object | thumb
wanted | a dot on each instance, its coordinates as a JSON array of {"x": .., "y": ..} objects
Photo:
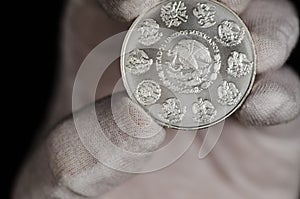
[{"x": 63, "y": 167}]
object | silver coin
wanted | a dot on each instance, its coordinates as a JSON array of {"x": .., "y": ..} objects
[{"x": 190, "y": 64}]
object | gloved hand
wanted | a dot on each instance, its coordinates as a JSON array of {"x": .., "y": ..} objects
[{"x": 251, "y": 160}]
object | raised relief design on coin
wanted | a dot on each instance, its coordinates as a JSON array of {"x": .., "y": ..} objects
[
  {"x": 149, "y": 32},
  {"x": 238, "y": 64},
  {"x": 205, "y": 14},
  {"x": 147, "y": 92},
  {"x": 138, "y": 62},
  {"x": 174, "y": 13},
  {"x": 190, "y": 63},
  {"x": 230, "y": 33},
  {"x": 172, "y": 111},
  {"x": 203, "y": 110},
  {"x": 228, "y": 94},
  {"x": 189, "y": 66}
]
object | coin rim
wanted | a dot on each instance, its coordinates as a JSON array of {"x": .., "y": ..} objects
[{"x": 240, "y": 103}]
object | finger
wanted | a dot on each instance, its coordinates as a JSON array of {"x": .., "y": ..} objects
[
  {"x": 236, "y": 5},
  {"x": 275, "y": 99},
  {"x": 126, "y": 10},
  {"x": 82, "y": 31},
  {"x": 63, "y": 167},
  {"x": 275, "y": 28}
]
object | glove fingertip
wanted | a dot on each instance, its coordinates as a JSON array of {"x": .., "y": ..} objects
[
  {"x": 126, "y": 10},
  {"x": 236, "y": 5},
  {"x": 275, "y": 99}
]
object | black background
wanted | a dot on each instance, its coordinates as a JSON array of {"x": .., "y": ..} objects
[{"x": 30, "y": 45}]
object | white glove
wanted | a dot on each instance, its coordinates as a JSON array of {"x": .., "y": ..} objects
[{"x": 260, "y": 162}]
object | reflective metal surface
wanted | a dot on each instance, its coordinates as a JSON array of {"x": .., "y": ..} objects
[{"x": 190, "y": 64}]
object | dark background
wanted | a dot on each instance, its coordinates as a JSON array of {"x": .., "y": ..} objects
[{"x": 30, "y": 41}]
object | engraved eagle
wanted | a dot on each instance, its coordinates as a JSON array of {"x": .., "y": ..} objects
[{"x": 190, "y": 62}]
